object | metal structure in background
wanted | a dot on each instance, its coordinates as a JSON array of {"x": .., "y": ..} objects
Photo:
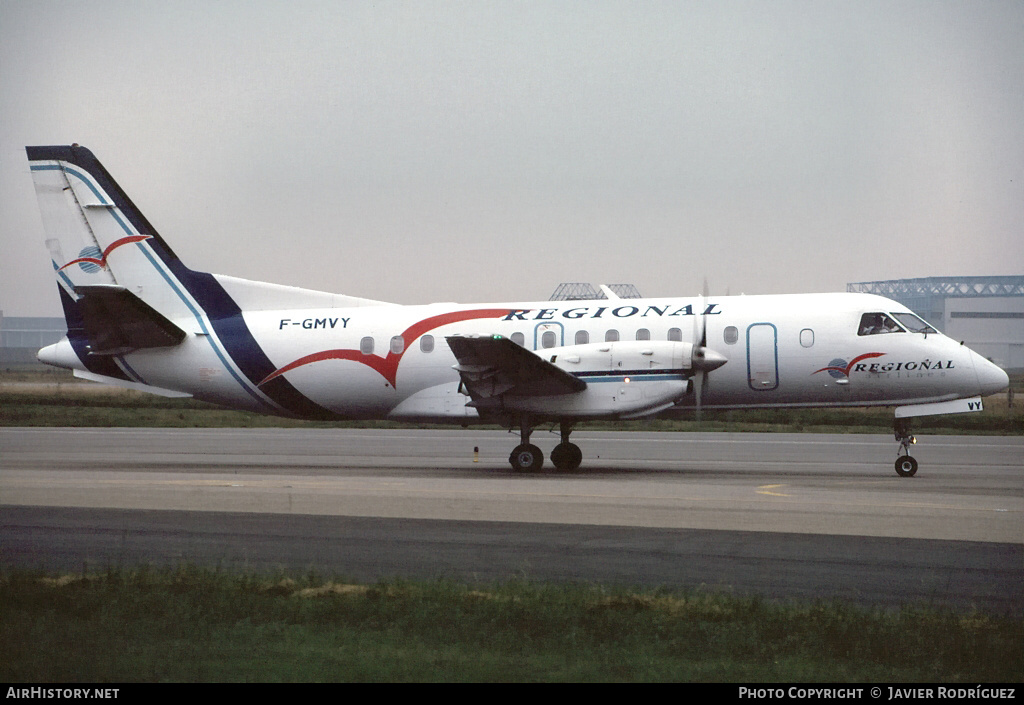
[
  {"x": 22, "y": 336},
  {"x": 581, "y": 291},
  {"x": 30, "y": 332},
  {"x": 927, "y": 295}
]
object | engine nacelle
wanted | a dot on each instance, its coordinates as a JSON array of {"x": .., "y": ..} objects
[
  {"x": 631, "y": 356},
  {"x": 624, "y": 379}
]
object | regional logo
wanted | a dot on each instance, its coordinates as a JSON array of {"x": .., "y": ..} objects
[
  {"x": 91, "y": 260},
  {"x": 839, "y": 368}
]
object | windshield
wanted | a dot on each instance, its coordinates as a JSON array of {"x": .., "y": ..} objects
[
  {"x": 913, "y": 323},
  {"x": 876, "y": 323}
]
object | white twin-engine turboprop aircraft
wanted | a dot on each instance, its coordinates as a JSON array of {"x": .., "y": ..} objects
[{"x": 138, "y": 317}]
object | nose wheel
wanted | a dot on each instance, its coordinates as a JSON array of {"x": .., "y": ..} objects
[{"x": 906, "y": 466}]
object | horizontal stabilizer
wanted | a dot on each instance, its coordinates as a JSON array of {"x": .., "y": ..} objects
[
  {"x": 117, "y": 322},
  {"x": 495, "y": 366},
  {"x": 124, "y": 384}
]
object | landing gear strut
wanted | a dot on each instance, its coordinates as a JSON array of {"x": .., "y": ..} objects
[
  {"x": 526, "y": 457},
  {"x": 566, "y": 455},
  {"x": 906, "y": 466}
]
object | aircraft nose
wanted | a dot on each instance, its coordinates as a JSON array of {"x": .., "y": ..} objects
[{"x": 992, "y": 379}]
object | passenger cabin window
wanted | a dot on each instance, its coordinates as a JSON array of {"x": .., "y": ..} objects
[
  {"x": 643, "y": 334},
  {"x": 732, "y": 334},
  {"x": 611, "y": 336},
  {"x": 397, "y": 344},
  {"x": 913, "y": 323},
  {"x": 519, "y": 339},
  {"x": 675, "y": 334},
  {"x": 547, "y": 340},
  {"x": 877, "y": 323},
  {"x": 366, "y": 346},
  {"x": 582, "y": 337},
  {"x": 427, "y": 343},
  {"x": 807, "y": 337}
]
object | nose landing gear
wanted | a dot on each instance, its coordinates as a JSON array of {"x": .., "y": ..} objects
[{"x": 906, "y": 466}]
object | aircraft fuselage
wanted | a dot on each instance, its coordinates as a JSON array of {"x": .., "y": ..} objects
[{"x": 394, "y": 362}]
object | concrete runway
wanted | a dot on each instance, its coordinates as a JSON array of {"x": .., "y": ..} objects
[{"x": 783, "y": 515}]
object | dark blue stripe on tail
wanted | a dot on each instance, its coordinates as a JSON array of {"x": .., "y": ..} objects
[{"x": 223, "y": 312}]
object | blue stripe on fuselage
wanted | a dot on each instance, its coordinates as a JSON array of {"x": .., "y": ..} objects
[{"x": 634, "y": 375}]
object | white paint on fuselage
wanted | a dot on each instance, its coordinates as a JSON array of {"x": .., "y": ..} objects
[{"x": 909, "y": 368}]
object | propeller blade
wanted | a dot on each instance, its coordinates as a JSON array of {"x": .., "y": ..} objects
[
  {"x": 700, "y": 341},
  {"x": 702, "y": 360},
  {"x": 697, "y": 328},
  {"x": 698, "y": 391}
]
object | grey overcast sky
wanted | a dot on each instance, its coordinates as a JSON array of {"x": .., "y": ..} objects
[{"x": 486, "y": 151}]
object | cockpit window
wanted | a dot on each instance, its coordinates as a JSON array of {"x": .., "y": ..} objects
[
  {"x": 913, "y": 323},
  {"x": 876, "y": 323}
]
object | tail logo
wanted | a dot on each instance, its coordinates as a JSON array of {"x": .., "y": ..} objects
[{"x": 90, "y": 259}]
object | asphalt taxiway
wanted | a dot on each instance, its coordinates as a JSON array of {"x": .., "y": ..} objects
[{"x": 783, "y": 515}]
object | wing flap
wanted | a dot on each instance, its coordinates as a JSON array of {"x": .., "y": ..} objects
[{"x": 124, "y": 384}]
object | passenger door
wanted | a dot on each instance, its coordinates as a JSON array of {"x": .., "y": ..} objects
[{"x": 762, "y": 356}]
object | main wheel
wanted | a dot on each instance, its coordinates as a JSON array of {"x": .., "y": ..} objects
[
  {"x": 526, "y": 458},
  {"x": 567, "y": 456},
  {"x": 906, "y": 466}
]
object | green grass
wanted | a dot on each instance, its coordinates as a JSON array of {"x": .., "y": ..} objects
[
  {"x": 190, "y": 624},
  {"x": 59, "y": 400}
]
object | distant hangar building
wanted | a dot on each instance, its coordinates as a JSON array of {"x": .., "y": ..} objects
[
  {"x": 986, "y": 313},
  {"x": 21, "y": 337}
]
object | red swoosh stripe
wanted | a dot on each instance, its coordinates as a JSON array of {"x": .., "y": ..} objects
[
  {"x": 102, "y": 261},
  {"x": 387, "y": 367}
]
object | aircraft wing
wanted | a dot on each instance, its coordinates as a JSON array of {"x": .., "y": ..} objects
[{"x": 495, "y": 366}]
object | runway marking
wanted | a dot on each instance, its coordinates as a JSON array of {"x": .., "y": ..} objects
[
  {"x": 873, "y": 439},
  {"x": 48, "y": 479},
  {"x": 766, "y": 489},
  {"x": 385, "y": 486}
]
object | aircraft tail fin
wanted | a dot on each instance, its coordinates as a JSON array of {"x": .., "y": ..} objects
[
  {"x": 124, "y": 290},
  {"x": 96, "y": 236}
]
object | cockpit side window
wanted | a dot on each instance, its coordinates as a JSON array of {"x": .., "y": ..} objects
[
  {"x": 876, "y": 323},
  {"x": 913, "y": 323}
]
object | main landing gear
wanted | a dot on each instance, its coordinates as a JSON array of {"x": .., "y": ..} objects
[
  {"x": 906, "y": 466},
  {"x": 566, "y": 455},
  {"x": 527, "y": 457}
]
